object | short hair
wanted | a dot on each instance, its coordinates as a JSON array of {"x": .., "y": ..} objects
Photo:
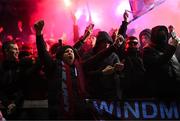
[
  {"x": 156, "y": 31},
  {"x": 6, "y": 45},
  {"x": 132, "y": 39}
]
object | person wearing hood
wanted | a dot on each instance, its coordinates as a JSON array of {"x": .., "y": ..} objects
[
  {"x": 103, "y": 77},
  {"x": 160, "y": 76},
  {"x": 67, "y": 87},
  {"x": 144, "y": 38},
  {"x": 132, "y": 77}
]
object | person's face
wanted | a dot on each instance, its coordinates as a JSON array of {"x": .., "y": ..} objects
[
  {"x": 171, "y": 29},
  {"x": 91, "y": 41},
  {"x": 68, "y": 56},
  {"x": 103, "y": 45},
  {"x": 144, "y": 40},
  {"x": 131, "y": 45},
  {"x": 13, "y": 52},
  {"x": 131, "y": 48}
]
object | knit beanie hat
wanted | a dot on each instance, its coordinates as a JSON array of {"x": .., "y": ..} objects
[{"x": 61, "y": 50}]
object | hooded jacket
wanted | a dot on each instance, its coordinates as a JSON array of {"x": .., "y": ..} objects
[
  {"x": 156, "y": 57},
  {"x": 57, "y": 72}
]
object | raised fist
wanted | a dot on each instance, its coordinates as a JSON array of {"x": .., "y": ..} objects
[
  {"x": 38, "y": 26},
  {"x": 89, "y": 28},
  {"x": 119, "y": 41},
  {"x": 174, "y": 41},
  {"x": 126, "y": 16}
]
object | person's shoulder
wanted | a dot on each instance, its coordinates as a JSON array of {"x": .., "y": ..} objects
[
  {"x": 148, "y": 47},
  {"x": 114, "y": 55},
  {"x": 87, "y": 55}
]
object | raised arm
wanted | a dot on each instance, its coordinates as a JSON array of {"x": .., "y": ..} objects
[
  {"x": 123, "y": 28},
  {"x": 88, "y": 31},
  {"x": 43, "y": 54}
]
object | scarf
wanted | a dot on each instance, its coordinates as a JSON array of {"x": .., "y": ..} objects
[{"x": 68, "y": 99}]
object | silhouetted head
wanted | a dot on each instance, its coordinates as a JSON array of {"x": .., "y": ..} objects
[
  {"x": 103, "y": 40},
  {"x": 159, "y": 35}
]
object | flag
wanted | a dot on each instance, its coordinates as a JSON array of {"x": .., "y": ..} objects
[{"x": 140, "y": 7}]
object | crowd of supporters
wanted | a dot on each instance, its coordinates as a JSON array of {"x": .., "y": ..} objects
[{"x": 41, "y": 80}]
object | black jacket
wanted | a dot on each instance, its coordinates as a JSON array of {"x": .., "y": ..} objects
[{"x": 159, "y": 74}]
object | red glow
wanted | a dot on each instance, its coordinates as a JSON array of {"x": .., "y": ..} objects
[{"x": 105, "y": 14}]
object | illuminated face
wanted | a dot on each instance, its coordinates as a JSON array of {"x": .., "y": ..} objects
[
  {"x": 171, "y": 28},
  {"x": 131, "y": 45},
  {"x": 68, "y": 56},
  {"x": 12, "y": 52},
  {"x": 91, "y": 41},
  {"x": 144, "y": 40}
]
